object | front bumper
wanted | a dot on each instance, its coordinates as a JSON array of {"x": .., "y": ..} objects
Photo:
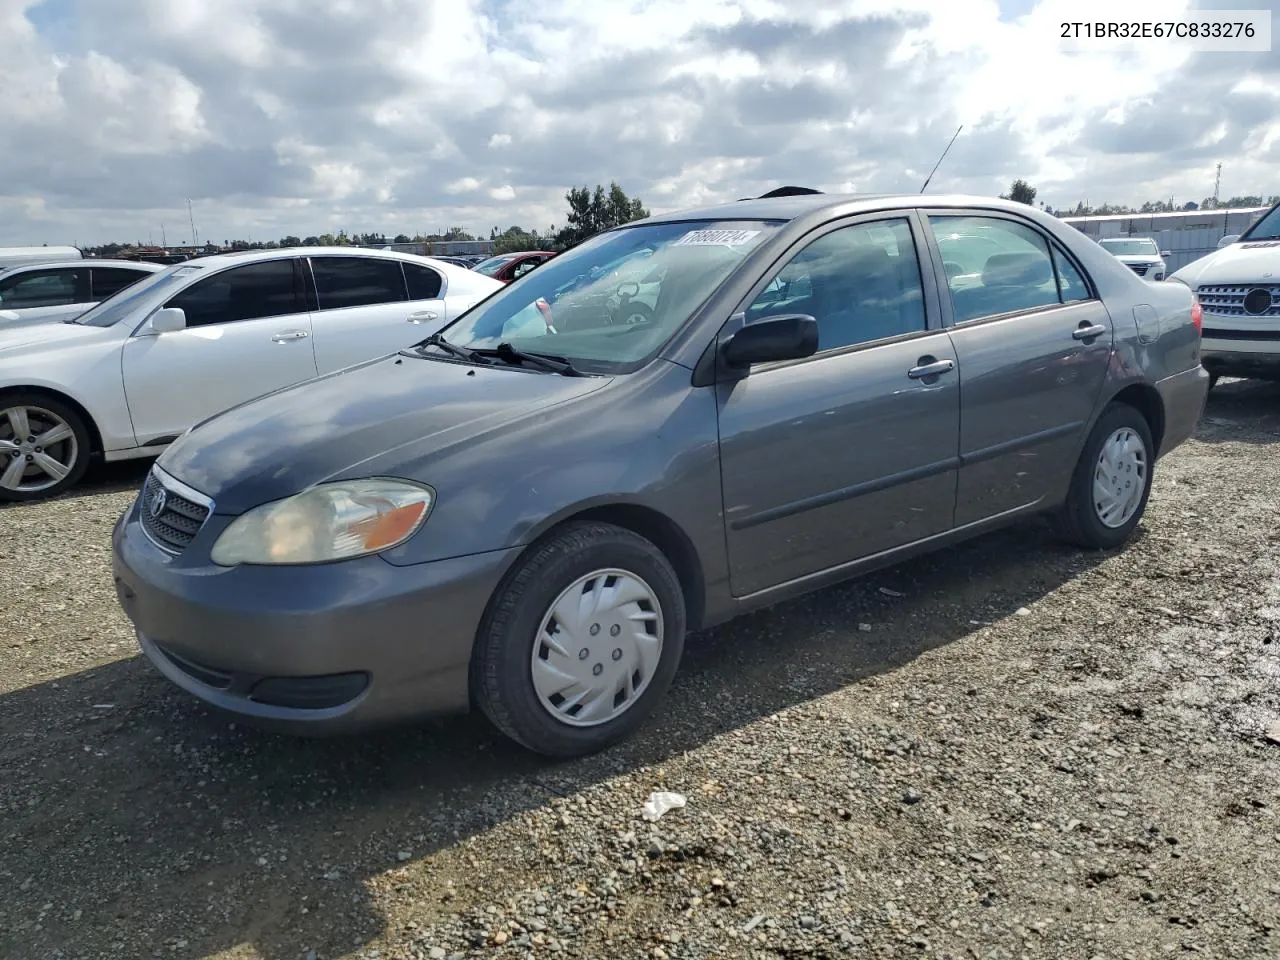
[
  {"x": 1256, "y": 359},
  {"x": 326, "y": 648}
]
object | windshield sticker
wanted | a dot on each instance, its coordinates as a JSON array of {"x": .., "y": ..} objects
[{"x": 716, "y": 238}]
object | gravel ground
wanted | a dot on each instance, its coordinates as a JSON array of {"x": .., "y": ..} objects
[{"x": 1010, "y": 749}]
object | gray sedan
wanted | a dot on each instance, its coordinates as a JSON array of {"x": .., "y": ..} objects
[{"x": 526, "y": 513}]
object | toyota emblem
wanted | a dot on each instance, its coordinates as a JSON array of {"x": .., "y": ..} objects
[{"x": 158, "y": 503}]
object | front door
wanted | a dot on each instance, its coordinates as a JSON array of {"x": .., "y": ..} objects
[
  {"x": 1034, "y": 345},
  {"x": 248, "y": 333},
  {"x": 369, "y": 307},
  {"x": 54, "y": 293},
  {"x": 850, "y": 452}
]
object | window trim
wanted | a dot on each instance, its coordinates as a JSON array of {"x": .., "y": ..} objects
[
  {"x": 925, "y": 267},
  {"x": 1051, "y": 242},
  {"x": 299, "y": 290}
]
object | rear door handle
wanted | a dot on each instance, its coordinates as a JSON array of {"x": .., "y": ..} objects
[
  {"x": 286, "y": 335},
  {"x": 1089, "y": 332},
  {"x": 929, "y": 367},
  {"x": 423, "y": 316}
]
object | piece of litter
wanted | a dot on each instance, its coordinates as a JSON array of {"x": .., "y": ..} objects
[
  {"x": 104, "y": 706},
  {"x": 864, "y": 627},
  {"x": 753, "y": 923},
  {"x": 1273, "y": 732},
  {"x": 1023, "y": 612},
  {"x": 404, "y": 855},
  {"x": 891, "y": 593},
  {"x": 659, "y": 803}
]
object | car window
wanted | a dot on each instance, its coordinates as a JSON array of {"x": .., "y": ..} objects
[
  {"x": 255, "y": 290},
  {"x": 424, "y": 283},
  {"x": 44, "y": 288},
  {"x": 491, "y": 266},
  {"x": 357, "y": 281},
  {"x": 108, "y": 281},
  {"x": 522, "y": 268},
  {"x": 861, "y": 283},
  {"x": 1070, "y": 283},
  {"x": 1005, "y": 266}
]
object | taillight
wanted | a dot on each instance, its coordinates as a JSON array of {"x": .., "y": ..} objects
[{"x": 1197, "y": 315}]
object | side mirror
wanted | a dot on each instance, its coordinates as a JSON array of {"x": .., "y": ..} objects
[
  {"x": 1165, "y": 253},
  {"x": 168, "y": 320},
  {"x": 787, "y": 337}
]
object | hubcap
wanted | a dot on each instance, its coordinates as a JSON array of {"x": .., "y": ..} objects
[
  {"x": 597, "y": 648},
  {"x": 37, "y": 449},
  {"x": 1119, "y": 478}
]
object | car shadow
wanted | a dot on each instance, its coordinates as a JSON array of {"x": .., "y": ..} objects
[
  {"x": 135, "y": 819},
  {"x": 1241, "y": 411}
]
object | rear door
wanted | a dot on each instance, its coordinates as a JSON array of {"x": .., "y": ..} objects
[
  {"x": 248, "y": 333},
  {"x": 368, "y": 307},
  {"x": 1034, "y": 346},
  {"x": 850, "y": 452}
]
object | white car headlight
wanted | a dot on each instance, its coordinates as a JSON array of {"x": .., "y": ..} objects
[{"x": 332, "y": 521}]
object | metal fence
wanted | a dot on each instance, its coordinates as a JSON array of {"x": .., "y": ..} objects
[{"x": 1187, "y": 236}]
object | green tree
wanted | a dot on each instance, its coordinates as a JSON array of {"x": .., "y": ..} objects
[
  {"x": 402, "y": 238},
  {"x": 290, "y": 241},
  {"x": 516, "y": 239},
  {"x": 591, "y": 211},
  {"x": 1021, "y": 191}
]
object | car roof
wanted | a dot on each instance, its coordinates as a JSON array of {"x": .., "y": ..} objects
[
  {"x": 794, "y": 207},
  {"x": 251, "y": 256},
  {"x": 78, "y": 265}
]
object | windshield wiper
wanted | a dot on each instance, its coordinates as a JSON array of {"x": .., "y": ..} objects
[
  {"x": 462, "y": 353},
  {"x": 509, "y": 354}
]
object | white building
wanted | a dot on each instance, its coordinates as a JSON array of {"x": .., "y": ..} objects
[{"x": 1186, "y": 234}]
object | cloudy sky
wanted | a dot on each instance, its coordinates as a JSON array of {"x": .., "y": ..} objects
[{"x": 302, "y": 116}]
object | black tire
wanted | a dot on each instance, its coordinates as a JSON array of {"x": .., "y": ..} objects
[
  {"x": 501, "y": 672},
  {"x": 633, "y": 309},
  {"x": 83, "y": 444},
  {"x": 1077, "y": 521}
]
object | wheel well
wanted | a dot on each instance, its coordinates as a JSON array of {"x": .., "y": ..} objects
[
  {"x": 1146, "y": 400},
  {"x": 95, "y": 438},
  {"x": 665, "y": 534}
]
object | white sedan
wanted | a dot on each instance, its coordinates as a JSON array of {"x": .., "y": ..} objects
[
  {"x": 134, "y": 373},
  {"x": 47, "y": 292}
]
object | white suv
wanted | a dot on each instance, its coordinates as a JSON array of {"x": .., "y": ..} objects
[
  {"x": 1139, "y": 254},
  {"x": 1239, "y": 291}
]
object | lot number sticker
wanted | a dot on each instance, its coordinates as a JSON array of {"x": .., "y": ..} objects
[{"x": 716, "y": 238}]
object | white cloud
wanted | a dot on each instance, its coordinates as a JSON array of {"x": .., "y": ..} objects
[{"x": 399, "y": 115}]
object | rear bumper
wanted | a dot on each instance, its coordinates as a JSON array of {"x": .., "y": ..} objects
[{"x": 1183, "y": 396}]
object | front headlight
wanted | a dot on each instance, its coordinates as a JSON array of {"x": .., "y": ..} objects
[{"x": 332, "y": 521}]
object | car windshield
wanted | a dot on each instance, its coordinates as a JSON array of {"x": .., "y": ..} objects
[
  {"x": 611, "y": 302},
  {"x": 492, "y": 265},
  {"x": 153, "y": 287},
  {"x": 1131, "y": 248},
  {"x": 1268, "y": 228}
]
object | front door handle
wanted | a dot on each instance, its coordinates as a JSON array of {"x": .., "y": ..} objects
[
  {"x": 287, "y": 335},
  {"x": 928, "y": 367},
  {"x": 1089, "y": 331},
  {"x": 423, "y": 316}
]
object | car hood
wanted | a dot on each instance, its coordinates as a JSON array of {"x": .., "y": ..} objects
[
  {"x": 1238, "y": 263},
  {"x": 19, "y": 337},
  {"x": 362, "y": 421}
]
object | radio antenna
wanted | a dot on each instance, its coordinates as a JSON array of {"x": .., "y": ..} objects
[{"x": 940, "y": 159}]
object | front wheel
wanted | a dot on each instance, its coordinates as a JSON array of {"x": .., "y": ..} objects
[
  {"x": 44, "y": 447},
  {"x": 581, "y": 641},
  {"x": 1111, "y": 482}
]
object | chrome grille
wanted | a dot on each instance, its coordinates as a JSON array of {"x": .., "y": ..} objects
[
  {"x": 171, "y": 514},
  {"x": 1241, "y": 300},
  {"x": 1139, "y": 268}
]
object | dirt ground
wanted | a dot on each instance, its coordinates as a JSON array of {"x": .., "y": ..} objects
[{"x": 1009, "y": 749}]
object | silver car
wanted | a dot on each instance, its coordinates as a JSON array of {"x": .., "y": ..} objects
[{"x": 526, "y": 512}]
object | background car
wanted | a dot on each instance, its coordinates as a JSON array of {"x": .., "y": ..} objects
[
  {"x": 1238, "y": 287},
  {"x": 1139, "y": 254},
  {"x": 19, "y": 256},
  {"x": 47, "y": 292},
  {"x": 132, "y": 374},
  {"x": 506, "y": 267},
  {"x": 525, "y": 517}
]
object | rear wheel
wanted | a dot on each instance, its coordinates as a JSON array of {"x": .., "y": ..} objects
[
  {"x": 44, "y": 447},
  {"x": 1111, "y": 482},
  {"x": 581, "y": 642}
]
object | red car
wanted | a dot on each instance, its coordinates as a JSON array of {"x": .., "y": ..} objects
[{"x": 508, "y": 266}]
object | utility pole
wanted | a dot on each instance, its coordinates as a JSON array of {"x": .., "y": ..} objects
[
  {"x": 1217, "y": 182},
  {"x": 163, "y": 241},
  {"x": 191, "y": 217}
]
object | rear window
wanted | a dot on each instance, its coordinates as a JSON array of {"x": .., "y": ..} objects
[{"x": 357, "y": 281}]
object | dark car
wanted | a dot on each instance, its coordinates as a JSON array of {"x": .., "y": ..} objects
[
  {"x": 511, "y": 266},
  {"x": 527, "y": 512}
]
